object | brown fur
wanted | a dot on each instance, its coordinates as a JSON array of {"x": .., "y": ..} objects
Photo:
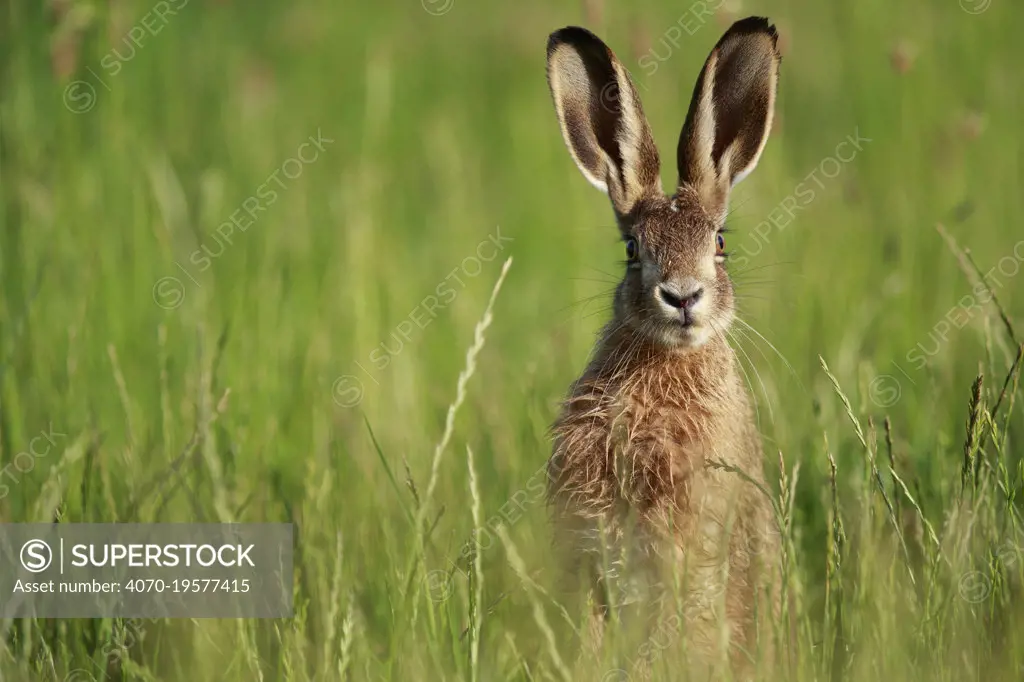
[
  {"x": 640, "y": 480},
  {"x": 631, "y": 465}
]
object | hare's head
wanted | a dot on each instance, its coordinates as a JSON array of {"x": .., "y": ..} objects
[{"x": 676, "y": 291}]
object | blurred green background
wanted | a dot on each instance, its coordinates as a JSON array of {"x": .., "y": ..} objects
[{"x": 289, "y": 370}]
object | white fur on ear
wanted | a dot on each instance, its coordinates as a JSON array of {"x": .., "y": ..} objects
[
  {"x": 702, "y": 134},
  {"x": 740, "y": 174},
  {"x": 601, "y": 118},
  {"x": 562, "y": 64},
  {"x": 731, "y": 112},
  {"x": 631, "y": 134}
]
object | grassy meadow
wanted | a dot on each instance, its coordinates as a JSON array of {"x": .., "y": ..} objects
[{"x": 253, "y": 267}]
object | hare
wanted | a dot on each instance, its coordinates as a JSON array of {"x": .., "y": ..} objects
[{"x": 657, "y": 462}]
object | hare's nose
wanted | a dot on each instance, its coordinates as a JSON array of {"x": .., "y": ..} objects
[{"x": 674, "y": 298}]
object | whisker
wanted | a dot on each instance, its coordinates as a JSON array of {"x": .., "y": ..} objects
[
  {"x": 766, "y": 265},
  {"x": 747, "y": 337},
  {"x": 764, "y": 389},
  {"x": 588, "y": 279},
  {"x": 616, "y": 277},
  {"x": 599, "y": 311},
  {"x": 772, "y": 346},
  {"x": 584, "y": 302},
  {"x": 739, "y": 363},
  {"x": 744, "y": 281}
]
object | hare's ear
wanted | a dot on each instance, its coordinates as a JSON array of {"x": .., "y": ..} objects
[
  {"x": 730, "y": 113},
  {"x": 601, "y": 117}
]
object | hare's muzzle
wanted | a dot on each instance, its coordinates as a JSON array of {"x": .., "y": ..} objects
[{"x": 679, "y": 301}]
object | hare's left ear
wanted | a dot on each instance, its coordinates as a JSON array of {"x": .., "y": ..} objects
[{"x": 730, "y": 113}]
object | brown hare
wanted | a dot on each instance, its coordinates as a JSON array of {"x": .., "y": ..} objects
[{"x": 643, "y": 475}]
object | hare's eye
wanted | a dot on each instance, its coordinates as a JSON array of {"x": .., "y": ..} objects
[
  {"x": 720, "y": 244},
  {"x": 632, "y": 249}
]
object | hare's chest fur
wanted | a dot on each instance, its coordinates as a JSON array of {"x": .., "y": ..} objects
[
  {"x": 666, "y": 452},
  {"x": 648, "y": 449}
]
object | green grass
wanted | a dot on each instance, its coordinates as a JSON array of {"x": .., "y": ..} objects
[{"x": 443, "y": 136}]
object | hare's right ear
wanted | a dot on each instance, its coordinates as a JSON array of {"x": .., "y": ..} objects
[
  {"x": 601, "y": 118},
  {"x": 731, "y": 113}
]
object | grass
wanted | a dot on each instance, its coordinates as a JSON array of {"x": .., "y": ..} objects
[{"x": 305, "y": 368}]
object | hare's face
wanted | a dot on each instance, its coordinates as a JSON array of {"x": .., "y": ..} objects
[{"x": 676, "y": 291}]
